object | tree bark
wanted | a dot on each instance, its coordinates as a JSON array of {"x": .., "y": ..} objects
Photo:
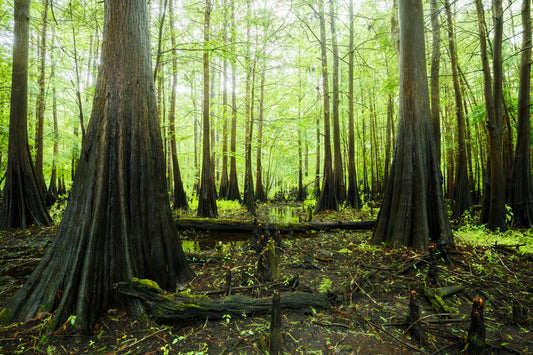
[
  {"x": 118, "y": 224},
  {"x": 207, "y": 202},
  {"x": 435, "y": 82},
  {"x": 248, "y": 195},
  {"x": 413, "y": 211},
  {"x": 328, "y": 195},
  {"x": 233, "y": 188},
  {"x": 52, "y": 194},
  {"x": 41, "y": 105},
  {"x": 224, "y": 181},
  {"x": 521, "y": 191},
  {"x": 78, "y": 81},
  {"x": 316, "y": 187},
  {"x": 260, "y": 194},
  {"x": 22, "y": 203},
  {"x": 180, "y": 198},
  {"x": 352, "y": 196},
  {"x": 338, "y": 173},
  {"x": 493, "y": 212},
  {"x": 157, "y": 65},
  {"x": 463, "y": 195}
]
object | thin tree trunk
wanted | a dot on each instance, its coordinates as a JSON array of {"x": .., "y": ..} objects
[
  {"x": 338, "y": 173},
  {"x": 207, "y": 203},
  {"x": 462, "y": 196},
  {"x": 249, "y": 196},
  {"x": 77, "y": 70},
  {"x": 328, "y": 196},
  {"x": 41, "y": 105},
  {"x": 180, "y": 198},
  {"x": 224, "y": 181},
  {"x": 435, "y": 82},
  {"x": 233, "y": 188},
  {"x": 157, "y": 65},
  {"x": 316, "y": 189},
  {"x": 52, "y": 194},
  {"x": 352, "y": 197},
  {"x": 260, "y": 194},
  {"x": 494, "y": 199},
  {"x": 302, "y": 194}
]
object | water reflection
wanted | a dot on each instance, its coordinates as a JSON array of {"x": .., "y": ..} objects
[
  {"x": 283, "y": 214},
  {"x": 219, "y": 242}
]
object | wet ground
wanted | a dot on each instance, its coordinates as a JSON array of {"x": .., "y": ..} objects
[{"x": 368, "y": 287}]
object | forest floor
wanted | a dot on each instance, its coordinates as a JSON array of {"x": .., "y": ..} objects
[{"x": 368, "y": 286}]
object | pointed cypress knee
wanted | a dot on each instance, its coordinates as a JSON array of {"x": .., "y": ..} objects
[
  {"x": 519, "y": 313},
  {"x": 276, "y": 345},
  {"x": 414, "y": 316},
  {"x": 432, "y": 270},
  {"x": 476, "y": 333},
  {"x": 227, "y": 290}
]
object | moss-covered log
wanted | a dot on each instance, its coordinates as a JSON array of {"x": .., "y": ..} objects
[
  {"x": 231, "y": 225},
  {"x": 179, "y": 307}
]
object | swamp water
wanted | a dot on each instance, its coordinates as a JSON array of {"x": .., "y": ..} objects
[{"x": 221, "y": 241}]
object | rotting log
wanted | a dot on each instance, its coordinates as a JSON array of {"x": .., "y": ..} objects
[
  {"x": 448, "y": 291},
  {"x": 166, "y": 307},
  {"x": 436, "y": 301},
  {"x": 231, "y": 225}
]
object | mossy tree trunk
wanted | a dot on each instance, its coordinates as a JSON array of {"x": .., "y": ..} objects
[{"x": 118, "y": 222}]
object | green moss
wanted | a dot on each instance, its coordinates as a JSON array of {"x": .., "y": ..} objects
[
  {"x": 436, "y": 301},
  {"x": 146, "y": 283},
  {"x": 5, "y": 316},
  {"x": 187, "y": 294}
]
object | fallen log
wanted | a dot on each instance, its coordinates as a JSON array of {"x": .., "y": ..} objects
[
  {"x": 229, "y": 225},
  {"x": 181, "y": 306}
]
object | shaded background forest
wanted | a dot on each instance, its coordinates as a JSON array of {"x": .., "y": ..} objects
[{"x": 278, "y": 43}]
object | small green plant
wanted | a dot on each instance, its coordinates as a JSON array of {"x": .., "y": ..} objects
[
  {"x": 325, "y": 285},
  {"x": 508, "y": 214}
]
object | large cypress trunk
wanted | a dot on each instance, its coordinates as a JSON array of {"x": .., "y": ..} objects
[
  {"x": 22, "y": 203},
  {"x": 118, "y": 224},
  {"x": 413, "y": 211},
  {"x": 521, "y": 191}
]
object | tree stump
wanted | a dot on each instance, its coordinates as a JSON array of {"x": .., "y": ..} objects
[
  {"x": 476, "y": 333},
  {"x": 276, "y": 339}
]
